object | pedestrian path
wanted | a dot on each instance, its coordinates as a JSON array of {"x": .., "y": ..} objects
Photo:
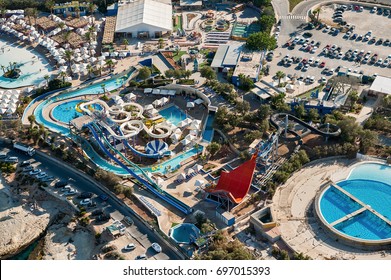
[{"x": 294, "y": 17}]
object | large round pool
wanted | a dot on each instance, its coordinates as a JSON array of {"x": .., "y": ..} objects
[
  {"x": 359, "y": 208},
  {"x": 65, "y": 112},
  {"x": 185, "y": 233}
]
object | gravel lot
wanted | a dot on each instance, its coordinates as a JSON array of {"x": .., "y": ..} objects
[{"x": 379, "y": 24}]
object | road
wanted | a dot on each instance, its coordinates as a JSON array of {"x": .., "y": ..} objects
[{"x": 137, "y": 230}]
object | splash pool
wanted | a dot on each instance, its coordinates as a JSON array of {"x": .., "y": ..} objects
[
  {"x": 184, "y": 233},
  {"x": 65, "y": 112},
  {"x": 33, "y": 65},
  {"x": 173, "y": 114},
  {"x": 359, "y": 208}
]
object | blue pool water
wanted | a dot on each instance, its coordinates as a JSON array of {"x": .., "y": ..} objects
[
  {"x": 33, "y": 70},
  {"x": 208, "y": 132},
  {"x": 335, "y": 205},
  {"x": 65, "y": 112},
  {"x": 184, "y": 233},
  {"x": 173, "y": 114},
  {"x": 369, "y": 183}
]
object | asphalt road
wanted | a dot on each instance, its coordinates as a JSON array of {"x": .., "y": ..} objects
[{"x": 138, "y": 229}]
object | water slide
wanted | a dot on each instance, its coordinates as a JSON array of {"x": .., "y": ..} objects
[
  {"x": 152, "y": 187},
  {"x": 335, "y": 130}
]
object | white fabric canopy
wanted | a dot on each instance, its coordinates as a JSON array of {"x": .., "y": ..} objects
[
  {"x": 199, "y": 101},
  {"x": 190, "y": 105}
]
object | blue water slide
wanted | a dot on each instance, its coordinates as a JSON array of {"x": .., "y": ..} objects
[
  {"x": 163, "y": 195},
  {"x": 141, "y": 154}
]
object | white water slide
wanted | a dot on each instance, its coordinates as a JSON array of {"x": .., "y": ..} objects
[{"x": 129, "y": 127}]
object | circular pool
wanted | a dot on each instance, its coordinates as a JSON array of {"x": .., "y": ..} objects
[
  {"x": 359, "y": 209},
  {"x": 65, "y": 112},
  {"x": 185, "y": 233}
]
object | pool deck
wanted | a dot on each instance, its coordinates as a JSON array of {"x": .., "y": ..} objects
[{"x": 304, "y": 234}]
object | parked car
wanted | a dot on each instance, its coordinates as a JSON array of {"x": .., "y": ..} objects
[
  {"x": 156, "y": 247},
  {"x": 25, "y": 163},
  {"x": 48, "y": 179},
  {"x": 70, "y": 192},
  {"x": 35, "y": 171},
  {"x": 103, "y": 196},
  {"x": 41, "y": 175},
  {"x": 97, "y": 212},
  {"x": 86, "y": 195},
  {"x": 27, "y": 169},
  {"x": 3, "y": 155},
  {"x": 66, "y": 188},
  {"x": 104, "y": 217},
  {"x": 11, "y": 160},
  {"x": 141, "y": 257},
  {"x": 61, "y": 184},
  {"x": 86, "y": 202},
  {"x": 130, "y": 247},
  {"x": 128, "y": 220}
]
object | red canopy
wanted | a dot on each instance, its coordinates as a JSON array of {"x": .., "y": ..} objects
[{"x": 237, "y": 182}]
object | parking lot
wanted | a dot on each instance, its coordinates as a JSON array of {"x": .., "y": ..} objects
[
  {"x": 378, "y": 24},
  {"x": 73, "y": 187}
]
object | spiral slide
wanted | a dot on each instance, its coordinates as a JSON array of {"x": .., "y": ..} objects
[{"x": 151, "y": 187}]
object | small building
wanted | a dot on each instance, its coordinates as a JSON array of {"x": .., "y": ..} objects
[
  {"x": 265, "y": 225},
  {"x": 381, "y": 86},
  {"x": 249, "y": 64},
  {"x": 226, "y": 217},
  {"x": 190, "y": 4},
  {"x": 226, "y": 57},
  {"x": 262, "y": 92},
  {"x": 143, "y": 19}
]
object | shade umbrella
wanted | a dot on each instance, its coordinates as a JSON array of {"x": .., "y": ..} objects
[
  {"x": 61, "y": 61},
  {"x": 101, "y": 62},
  {"x": 190, "y": 105},
  {"x": 122, "y": 54},
  {"x": 63, "y": 68},
  {"x": 154, "y": 111},
  {"x": 194, "y": 132},
  {"x": 181, "y": 177},
  {"x": 148, "y": 107},
  {"x": 189, "y": 171},
  {"x": 93, "y": 59},
  {"x": 175, "y": 137},
  {"x": 185, "y": 142},
  {"x": 190, "y": 137},
  {"x": 105, "y": 54},
  {"x": 157, "y": 102},
  {"x": 199, "y": 183},
  {"x": 197, "y": 167},
  {"x": 101, "y": 57},
  {"x": 2, "y": 110},
  {"x": 290, "y": 86},
  {"x": 199, "y": 101},
  {"x": 130, "y": 96},
  {"x": 159, "y": 181},
  {"x": 164, "y": 100}
]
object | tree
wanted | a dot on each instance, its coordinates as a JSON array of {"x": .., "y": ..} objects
[
  {"x": 316, "y": 13},
  {"x": 49, "y": 4},
  {"x": 125, "y": 42},
  {"x": 300, "y": 110},
  {"x": 110, "y": 64},
  {"x": 243, "y": 107},
  {"x": 208, "y": 73},
  {"x": 90, "y": 70},
  {"x": 368, "y": 139},
  {"x": 62, "y": 75},
  {"x": 261, "y": 3},
  {"x": 47, "y": 77},
  {"x": 350, "y": 130},
  {"x": 161, "y": 43},
  {"x": 187, "y": 73},
  {"x": 313, "y": 114},
  {"x": 279, "y": 76},
  {"x": 144, "y": 73},
  {"x": 61, "y": 25},
  {"x": 213, "y": 148},
  {"x": 245, "y": 82},
  {"x": 169, "y": 73},
  {"x": 264, "y": 111},
  {"x": 387, "y": 101},
  {"x": 91, "y": 8},
  {"x": 31, "y": 120},
  {"x": 353, "y": 98},
  {"x": 267, "y": 22},
  {"x": 68, "y": 56},
  {"x": 261, "y": 41},
  {"x": 77, "y": 11}
]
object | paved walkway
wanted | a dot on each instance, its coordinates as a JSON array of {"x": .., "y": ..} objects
[{"x": 302, "y": 233}]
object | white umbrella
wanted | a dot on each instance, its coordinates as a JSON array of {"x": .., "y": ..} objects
[
  {"x": 154, "y": 112},
  {"x": 122, "y": 54},
  {"x": 181, "y": 177},
  {"x": 2, "y": 110},
  {"x": 194, "y": 132},
  {"x": 197, "y": 167},
  {"x": 105, "y": 54},
  {"x": 157, "y": 102},
  {"x": 164, "y": 100},
  {"x": 148, "y": 107},
  {"x": 159, "y": 181},
  {"x": 93, "y": 59},
  {"x": 101, "y": 57},
  {"x": 63, "y": 68},
  {"x": 290, "y": 86},
  {"x": 113, "y": 54},
  {"x": 190, "y": 137},
  {"x": 101, "y": 62},
  {"x": 199, "y": 183},
  {"x": 61, "y": 61},
  {"x": 130, "y": 96},
  {"x": 185, "y": 142},
  {"x": 199, "y": 101},
  {"x": 175, "y": 137},
  {"x": 190, "y": 105},
  {"x": 189, "y": 171}
]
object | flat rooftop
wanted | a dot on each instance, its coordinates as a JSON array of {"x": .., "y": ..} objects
[
  {"x": 249, "y": 64},
  {"x": 381, "y": 84},
  {"x": 227, "y": 55}
]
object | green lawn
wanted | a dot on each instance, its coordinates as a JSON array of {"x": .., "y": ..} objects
[
  {"x": 179, "y": 55},
  {"x": 293, "y": 3}
]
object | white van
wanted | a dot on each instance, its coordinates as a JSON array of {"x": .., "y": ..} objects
[{"x": 12, "y": 159}]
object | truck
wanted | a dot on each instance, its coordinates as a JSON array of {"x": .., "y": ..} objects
[{"x": 23, "y": 148}]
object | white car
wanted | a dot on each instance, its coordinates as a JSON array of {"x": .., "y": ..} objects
[
  {"x": 41, "y": 175},
  {"x": 35, "y": 172},
  {"x": 86, "y": 201},
  {"x": 70, "y": 192},
  {"x": 156, "y": 247},
  {"x": 130, "y": 247},
  {"x": 48, "y": 179}
]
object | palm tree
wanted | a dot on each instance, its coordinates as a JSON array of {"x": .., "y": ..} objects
[
  {"x": 3, "y": 68},
  {"x": 125, "y": 42},
  {"x": 77, "y": 11},
  {"x": 66, "y": 35},
  {"x": 49, "y": 4},
  {"x": 31, "y": 120},
  {"x": 90, "y": 70},
  {"x": 62, "y": 75},
  {"x": 110, "y": 64},
  {"x": 92, "y": 30},
  {"x": 316, "y": 13},
  {"x": 279, "y": 76},
  {"x": 68, "y": 56},
  {"x": 61, "y": 25},
  {"x": 187, "y": 74},
  {"x": 161, "y": 43},
  {"x": 91, "y": 8},
  {"x": 47, "y": 77}
]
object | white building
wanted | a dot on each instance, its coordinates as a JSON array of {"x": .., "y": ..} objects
[{"x": 144, "y": 19}]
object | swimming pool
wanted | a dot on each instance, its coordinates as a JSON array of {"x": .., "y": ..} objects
[
  {"x": 33, "y": 65},
  {"x": 65, "y": 112},
  {"x": 208, "y": 132},
  {"x": 365, "y": 212},
  {"x": 173, "y": 114},
  {"x": 185, "y": 233}
]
